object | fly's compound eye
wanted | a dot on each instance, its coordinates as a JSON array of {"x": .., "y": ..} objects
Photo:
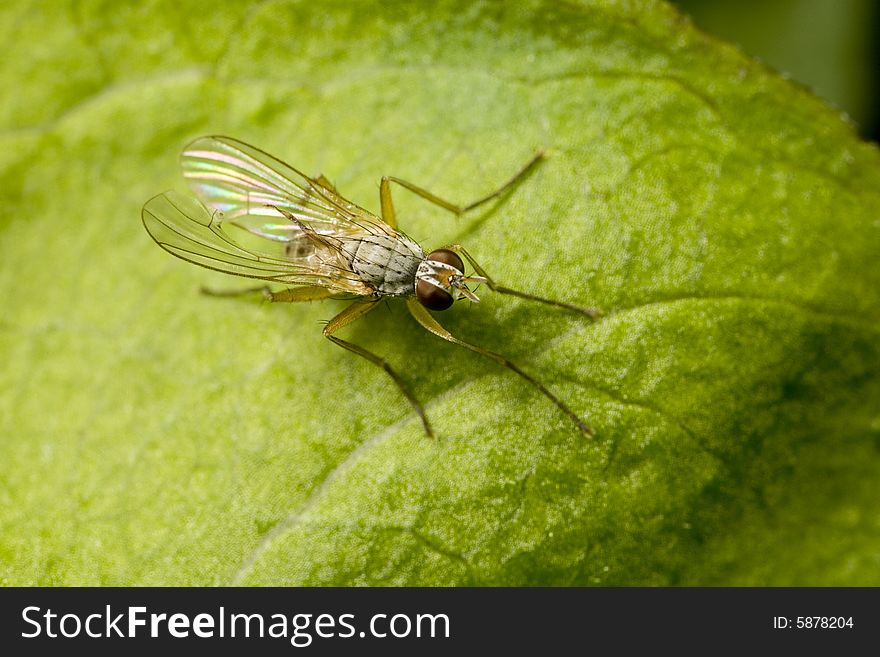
[
  {"x": 431, "y": 296},
  {"x": 447, "y": 257}
]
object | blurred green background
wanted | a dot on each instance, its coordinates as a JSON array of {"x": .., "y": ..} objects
[{"x": 830, "y": 46}]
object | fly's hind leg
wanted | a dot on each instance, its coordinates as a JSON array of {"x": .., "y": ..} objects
[
  {"x": 592, "y": 313},
  {"x": 352, "y": 313},
  {"x": 427, "y": 320},
  {"x": 289, "y": 295},
  {"x": 390, "y": 218}
]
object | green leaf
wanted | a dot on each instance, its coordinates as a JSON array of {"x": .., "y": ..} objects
[{"x": 727, "y": 222}]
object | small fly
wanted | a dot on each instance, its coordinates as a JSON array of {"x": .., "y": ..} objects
[{"x": 260, "y": 218}]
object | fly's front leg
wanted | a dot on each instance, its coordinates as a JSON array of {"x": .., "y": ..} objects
[
  {"x": 290, "y": 295},
  {"x": 352, "y": 313},
  {"x": 427, "y": 320},
  {"x": 389, "y": 217},
  {"x": 592, "y": 313}
]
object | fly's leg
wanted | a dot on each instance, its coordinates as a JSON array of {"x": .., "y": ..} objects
[
  {"x": 592, "y": 313},
  {"x": 389, "y": 217},
  {"x": 325, "y": 183},
  {"x": 290, "y": 295},
  {"x": 427, "y": 320},
  {"x": 352, "y": 313}
]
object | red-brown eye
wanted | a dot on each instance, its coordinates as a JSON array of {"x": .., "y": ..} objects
[
  {"x": 432, "y": 297},
  {"x": 447, "y": 257}
]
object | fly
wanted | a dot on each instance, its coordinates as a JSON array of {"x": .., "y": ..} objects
[{"x": 260, "y": 218}]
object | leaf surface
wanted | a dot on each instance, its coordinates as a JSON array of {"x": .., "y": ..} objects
[{"x": 726, "y": 221}]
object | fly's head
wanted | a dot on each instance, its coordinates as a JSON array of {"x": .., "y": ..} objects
[{"x": 440, "y": 280}]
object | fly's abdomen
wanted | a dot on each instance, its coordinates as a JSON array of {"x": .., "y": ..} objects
[{"x": 387, "y": 264}]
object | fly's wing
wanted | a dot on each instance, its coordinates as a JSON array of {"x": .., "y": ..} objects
[
  {"x": 249, "y": 186},
  {"x": 281, "y": 253}
]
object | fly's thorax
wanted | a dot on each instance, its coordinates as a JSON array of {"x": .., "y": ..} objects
[{"x": 385, "y": 263}]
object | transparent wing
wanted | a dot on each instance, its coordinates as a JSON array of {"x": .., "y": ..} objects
[
  {"x": 280, "y": 252},
  {"x": 247, "y": 185}
]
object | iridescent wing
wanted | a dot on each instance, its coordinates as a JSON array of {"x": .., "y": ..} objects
[
  {"x": 249, "y": 185},
  {"x": 264, "y": 219},
  {"x": 282, "y": 253}
]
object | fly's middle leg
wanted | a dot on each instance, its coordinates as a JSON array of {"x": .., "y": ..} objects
[
  {"x": 390, "y": 218},
  {"x": 352, "y": 313},
  {"x": 324, "y": 182}
]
